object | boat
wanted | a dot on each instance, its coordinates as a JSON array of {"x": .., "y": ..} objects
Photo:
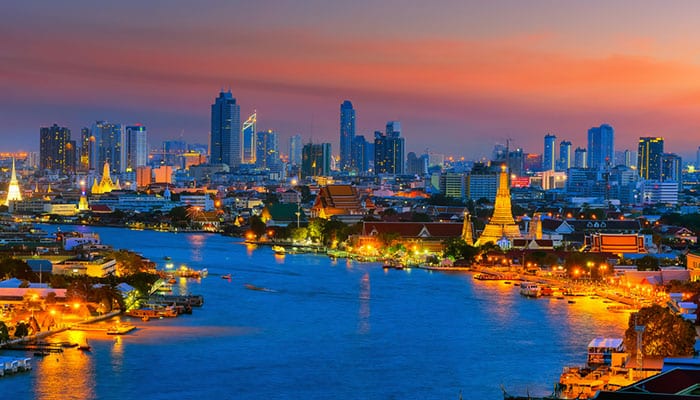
[
  {"x": 85, "y": 347},
  {"x": 279, "y": 250},
  {"x": 226, "y": 276},
  {"x": 622, "y": 308},
  {"x": 258, "y": 288},
  {"x": 120, "y": 329},
  {"x": 487, "y": 277},
  {"x": 530, "y": 289}
]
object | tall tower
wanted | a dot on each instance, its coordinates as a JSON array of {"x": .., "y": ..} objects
[
  {"x": 316, "y": 160},
  {"x": 467, "y": 229},
  {"x": 580, "y": 158},
  {"x": 108, "y": 146},
  {"x": 267, "y": 153},
  {"x": 389, "y": 150},
  {"x": 649, "y": 157},
  {"x": 226, "y": 135},
  {"x": 295, "y": 147},
  {"x": 13, "y": 192},
  {"x": 549, "y": 157},
  {"x": 347, "y": 134},
  {"x": 501, "y": 225},
  {"x": 136, "y": 147},
  {"x": 249, "y": 146},
  {"x": 601, "y": 147},
  {"x": 564, "y": 155},
  {"x": 53, "y": 148}
]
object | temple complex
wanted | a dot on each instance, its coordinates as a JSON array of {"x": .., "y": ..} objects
[
  {"x": 13, "y": 192},
  {"x": 105, "y": 185}
]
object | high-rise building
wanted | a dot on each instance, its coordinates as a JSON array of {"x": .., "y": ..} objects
[
  {"x": 580, "y": 158},
  {"x": 53, "y": 141},
  {"x": 295, "y": 147},
  {"x": 416, "y": 165},
  {"x": 136, "y": 147},
  {"x": 601, "y": 147},
  {"x": 249, "y": 136},
  {"x": 671, "y": 168},
  {"x": 453, "y": 184},
  {"x": 649, "y": 157},
  {"x": 267, "y": 154},
  {"x": 360, "y": 156},
  {"x": 389, "y": 150},
  {"x": 549, "y": 156},
  {"x": 226, "y": 136},
  {"x": 85, "y": 145},
  {"x": 109, "y": 147},
  {"x": 564, "y": 155},
  {"x": 316, "y": 160},
  {"x": 347, "y": 134}
]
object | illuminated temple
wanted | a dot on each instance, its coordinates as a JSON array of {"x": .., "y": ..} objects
[
  {"x": 501, "y": 225},
  {"x": 105, "y": 185},
  {"x": 13, "y": 192}
]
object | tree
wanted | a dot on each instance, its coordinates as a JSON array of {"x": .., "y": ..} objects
[
  {"x": 21, "y": 329},
  {"x": 648, "y": 263},
  {"x": 4, "y": 333},
  {"x": 14, "y": 268},
  {"x": 665, "y": 334},
  {"x": 257, "y": 225},
  {"x": 458, "y": 249}
]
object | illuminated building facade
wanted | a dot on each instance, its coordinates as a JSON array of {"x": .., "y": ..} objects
[
  {"x": 389, "y": 150},
  {"x": 316, "y": 160},
  {"x": 601, "y": 147},
  {"x": 347, "y": 135},
  {"x": 53, "y": 148},
  {"x": 249, "y": 144},
  {"x": 649, "y": 157},
  {"x": 136, "y": 147},
  {"x": 549, "y": 155}
]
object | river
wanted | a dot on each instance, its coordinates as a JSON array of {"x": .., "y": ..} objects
[{"x": 325, "y": 329}]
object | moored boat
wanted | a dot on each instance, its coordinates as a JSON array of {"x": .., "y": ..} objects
[{"x": 530, "y": 289}]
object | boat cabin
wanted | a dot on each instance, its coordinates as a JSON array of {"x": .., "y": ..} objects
[{"x": 606, "y": 351}]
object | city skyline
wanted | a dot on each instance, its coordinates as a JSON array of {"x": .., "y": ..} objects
[{"x": 453, "y": 75}]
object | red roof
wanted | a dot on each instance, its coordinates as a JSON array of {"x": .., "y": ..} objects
[{"x": 413, "y": 229}]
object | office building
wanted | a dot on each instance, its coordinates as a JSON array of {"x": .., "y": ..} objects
[
  {"x": 360, "y": 154},
  {"x": 417, "y": 165},
  {"x": 549, "y": 156},
  {"x": 249, "y": 136},
  {"x": 389, "y": 150},
  {"x": 671, "y": 168},
  {"x": 295, "y": 147},
  {"x": 649, "y": 157},
  {"x": 316, "y": 160},
  {"x": 136, "y": 147},
  {"x": 53, "y": 148},
  {"x": 226, "y": 136},
  {"x": 108, "y": 147},
  {"x": 267, "y": 154},
  {"x": 564, "y": 155},
  {"x": 580, "y": 158},
  {"x": 347, "y": 135},
  {"x": 601, "y": 147}
]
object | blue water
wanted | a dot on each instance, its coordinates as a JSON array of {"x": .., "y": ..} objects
[{"x": 326, "y": 329}]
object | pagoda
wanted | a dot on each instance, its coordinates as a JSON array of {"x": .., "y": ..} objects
[
  {"x": 501, "y": 225},
  {"x": 13, "y": 192},
  {"x": 467, "y": 229},
  {"x": 105, "y": 185}
]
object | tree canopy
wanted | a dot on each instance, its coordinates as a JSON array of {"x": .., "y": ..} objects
[{"x": 665, "y": 334}]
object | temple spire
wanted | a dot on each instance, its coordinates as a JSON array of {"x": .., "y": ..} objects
[
  {"x": 467, "y": 233},
  {"x": 502, "y": 224},
  {"x": 13, "y": 192}
]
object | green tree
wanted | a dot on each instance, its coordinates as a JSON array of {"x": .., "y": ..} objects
[
  {"x": 648, "y": 263},
  {"x": 14, "y": 268},
  {"x": 458, "y": 249},
  {"x": 21, "y": 329},
  {"x": 4, "y": 333},
  {"x": 299, "y": 234},
  {"x": 315, "y": 229},
  {"x": 665, "y": 334},
  {"x": 257, "y": 225}
]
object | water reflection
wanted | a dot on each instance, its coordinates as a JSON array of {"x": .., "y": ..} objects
[
  {"x": 196, "y": 243},
  {"x": 67, "y": 375},
  {"x": 363, "y": 315}
]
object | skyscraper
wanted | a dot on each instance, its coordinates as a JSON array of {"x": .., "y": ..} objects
[
  {"x": 347, "y": 134},
  {"x": 671, "y": 168},
  {"x": 316, "y": 160},
  {"x": 295, "y": 147},
  {"x": 564, "y": 155},
  {"x": 601, "y": 147},
  {"x": 360, "y": 156},
  {"x": 226, "y": 136},
  {"x": 389, "y": 150},
  {"x": 53, "y": 141},
  {"x": 580, "y": 159},
  {"x": 249, "y": 135},
  {"x": 136, "y": 147},
  {"x": 267, "y": 153},
  {"x": 85, "y": 144},
  {"x": 649, "y": 157},
  {"x": 108, "y": 147},
  {"x": 549, "y": 157}
]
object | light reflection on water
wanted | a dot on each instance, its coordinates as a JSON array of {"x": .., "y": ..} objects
[{"x": 323, "y": 334}]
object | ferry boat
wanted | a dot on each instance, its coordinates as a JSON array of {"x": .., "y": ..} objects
[
  {"x": 120, "y": 329},
  {"x": 279, "y": 250},
  {"x": 530, "y": 289}
]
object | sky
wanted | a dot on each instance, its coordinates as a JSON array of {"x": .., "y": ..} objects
[{"x": 461, "y": 76}]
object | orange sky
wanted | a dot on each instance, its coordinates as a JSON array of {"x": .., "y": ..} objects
[{"x": 460, "y": 76}]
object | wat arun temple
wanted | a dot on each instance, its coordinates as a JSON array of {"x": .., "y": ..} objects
[{"x": 501, "y": 226}]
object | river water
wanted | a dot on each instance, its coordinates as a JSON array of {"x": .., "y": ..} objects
[{"x": 325, "y": 329}]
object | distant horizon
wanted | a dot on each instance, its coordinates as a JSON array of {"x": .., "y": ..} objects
[{"x": 461, "y": 77}]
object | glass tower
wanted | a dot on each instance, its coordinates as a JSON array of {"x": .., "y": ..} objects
[
  {"x": 347, "y": 134},
  {"x": 226, "y": 136}
]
